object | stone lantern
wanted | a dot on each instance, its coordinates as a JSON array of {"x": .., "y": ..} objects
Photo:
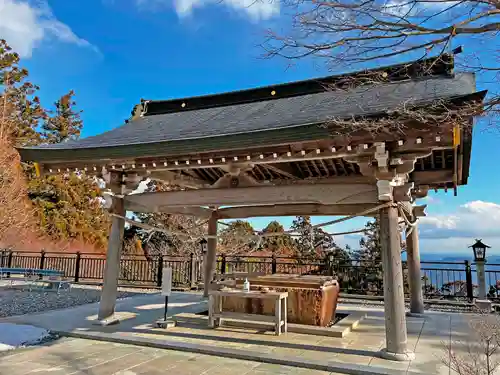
[{"x": 479, "y": 249}]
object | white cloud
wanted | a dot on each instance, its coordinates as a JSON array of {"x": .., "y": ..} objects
[
  {"x": 255, "y": 9},
  {"x": 474, "y": 219},
  {"x": 26, "y": 24}
]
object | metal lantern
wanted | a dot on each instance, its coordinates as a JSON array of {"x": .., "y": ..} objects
[
  {"x": 479, "y": 249},
  {"x": 203, "y": 245}
]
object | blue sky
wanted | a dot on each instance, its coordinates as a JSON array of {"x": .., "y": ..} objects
[{"x": 114, "y": 52}]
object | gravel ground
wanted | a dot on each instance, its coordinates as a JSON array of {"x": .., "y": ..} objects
[{"x": 18, "y": 300}]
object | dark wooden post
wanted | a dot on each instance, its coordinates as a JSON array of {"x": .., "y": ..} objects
[
  {"x": 274, "y": 265},
  {"x": 394, "y": 302},
  {"x": 77, "y": 266},
  {"x": 414, "y": 272},
  {"x": 42, "y": 259},
  {"x": 468, "y": 281},
  {"x": 211, "y": 256},
  {"x": 223, "y": 264},
  {"x": 159, "y": 272},
  {"x": 193, "y": 277},
  {"x": 9, "y": 259}
]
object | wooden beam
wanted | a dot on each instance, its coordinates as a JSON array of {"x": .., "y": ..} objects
[
  {"x": 293, "y": 210},
  {"x": 260, "y": 195},
  {"x": 431, "y": 177},
  {"x": 176, "y": 210},
  {"x": 177, "y": 179}
]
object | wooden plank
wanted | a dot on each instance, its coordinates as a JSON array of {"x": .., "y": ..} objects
[
  {"x": 193, "y": 210},
  {"x": 277, "y": 317},
  {"x": 244, "y": 316},
  {"x": 177, "y": 179},
  {"x": 259, "y": 195},
  {"x": 432, "y": 177},
  {"x": 251, "y": 294},
  {"x": 294, "y": 210}
]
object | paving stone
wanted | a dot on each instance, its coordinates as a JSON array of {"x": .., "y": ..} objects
[
  {"x": 47, "y": 357},
  {"x": 383, "y": 363},
  {"x": 267, "y": 368},
  {"x": 353, "y": 359},
  {"x": 160, "y": 365}
]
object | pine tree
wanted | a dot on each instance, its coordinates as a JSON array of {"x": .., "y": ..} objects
[
  {"x": 19, "y": 114},
  {"x": 276, "y": 244},
  {"x": 315, "y": 242},
  {"x": 237, "y": 238},
  {"x": 64, "y": 124},
  {"x": 68, "y": 206},
  {"x": 369, "y": 246},
  {"x": 20, "y": 111},
  {"x": 69, "y": 209}
]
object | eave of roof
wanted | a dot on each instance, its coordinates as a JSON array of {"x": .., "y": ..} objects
[{"x": 279, "y": 121}]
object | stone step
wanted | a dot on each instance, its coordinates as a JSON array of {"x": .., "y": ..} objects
[{"x": 262, "y": 356}]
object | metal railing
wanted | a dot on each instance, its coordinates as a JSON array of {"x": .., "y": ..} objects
[{"x": 445, "y": 280}]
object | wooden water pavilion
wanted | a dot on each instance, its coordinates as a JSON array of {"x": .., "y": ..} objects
[{"x": 277, "y": 151}]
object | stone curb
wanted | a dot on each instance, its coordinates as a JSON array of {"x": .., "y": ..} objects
[
  {"x": 341, "y": 330},
  {"x": 329, "y": 366}
]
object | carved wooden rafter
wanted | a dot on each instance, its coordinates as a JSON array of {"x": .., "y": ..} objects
[{"x": 390, "y": 171}]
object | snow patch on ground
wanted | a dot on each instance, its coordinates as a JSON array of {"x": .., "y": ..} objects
[{"x": 14, "y": 336}]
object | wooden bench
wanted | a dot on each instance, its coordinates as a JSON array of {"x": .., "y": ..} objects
[
  {"x": 216, "y": 315},
  {"x": 33, "y": 276}
]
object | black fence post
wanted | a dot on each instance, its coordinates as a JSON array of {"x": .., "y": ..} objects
[
  {"x": 274, "y": 264},
  {"x": 42, "y": 259},
  {"x": 77, "y": 266},
  {"x": 223, "y": 264},
  {"x": 159, "y": 272},
  {"x": 468, "y": 281},
  {"x": 9, "y": 261},
  {"x": 193, "y": 276}
]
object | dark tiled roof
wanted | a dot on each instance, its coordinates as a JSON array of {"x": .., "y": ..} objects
[{"x": 274, "y": 114}]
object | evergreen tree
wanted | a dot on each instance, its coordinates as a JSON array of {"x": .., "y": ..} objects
[
  {"x": 237, "y": 238},
  {"x": 64, "y": 124},
  {"x": 20, "y": 111},
  {"x": 67, "y": 207},
  {"x": 315, "y": 242},
  {"x": 278, "y": 244},
  {"x": 369, "y": 246}
]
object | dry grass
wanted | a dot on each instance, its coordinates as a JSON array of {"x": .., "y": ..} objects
[{"x": 479, "y": 355}]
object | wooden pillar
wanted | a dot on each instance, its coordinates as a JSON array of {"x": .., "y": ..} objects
[
  {"x": 211, "y": 256},
  {"x": 414, "y": 272},
  {"x": 112, "y": 268},
  {"x": 394, "y": 303}
]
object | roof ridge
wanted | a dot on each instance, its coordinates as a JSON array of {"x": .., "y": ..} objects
[{"x": 423, "y": 68}]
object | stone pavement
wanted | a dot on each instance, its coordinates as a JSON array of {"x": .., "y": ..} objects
[
  {"x": 427, "y": 337},
  {"x": 86, "y": 357}
]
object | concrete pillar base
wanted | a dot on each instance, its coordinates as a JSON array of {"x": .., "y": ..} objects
[
  {"x": 112, "y": 320},
  {"x": 400, "y": 357},
  {"x": 169, "y": 323},
  {"x": 410, "y": 314},
  {"x": 484, "y": 305}
]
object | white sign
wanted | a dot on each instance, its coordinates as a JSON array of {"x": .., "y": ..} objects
[{"x": 166, "y": 282}]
